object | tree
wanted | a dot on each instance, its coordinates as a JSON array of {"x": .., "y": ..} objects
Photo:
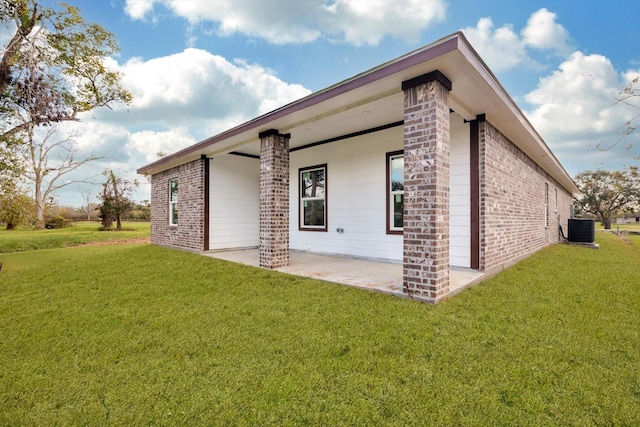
[
  {"x": 629, "y": 96},
  {"x": 52, "y": 69},
  {"x": 606, "y": 193},
  {"x": 89, "y": 206},
  {"x": 116, "y": 201},
  {"x": 16, "y": 207},
  {"x": 45, "y": 174},
  {"x": 54, "y": 66}
]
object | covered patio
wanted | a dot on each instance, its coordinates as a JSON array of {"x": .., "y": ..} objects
[{"x": 374, "y": 275}]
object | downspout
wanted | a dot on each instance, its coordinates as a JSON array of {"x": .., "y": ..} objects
[{"x": 474, "y": 182}]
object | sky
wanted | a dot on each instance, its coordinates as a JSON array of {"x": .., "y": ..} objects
[{"x": 199, "y": 67}]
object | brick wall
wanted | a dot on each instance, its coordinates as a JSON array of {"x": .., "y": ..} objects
[
  {"x": 426, "y": 191},
  {"x": 513, "y": 223},
  {"x": 189, "y": 233},
  {"x": 274, "y": 199}
]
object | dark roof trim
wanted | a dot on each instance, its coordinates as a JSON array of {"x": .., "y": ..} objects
[
  {"x": 327, "y": 141},
  {"x": 251, "y": 156},
  {"x": 271, "y": 132},
  {"x": 350, "y": 135},
  {"x": 426, "y": 78}
]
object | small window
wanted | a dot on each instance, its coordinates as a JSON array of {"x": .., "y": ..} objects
[
  {"x": 395, "y": 192},
  {"x": 313, "y": 198},
  {"x": 173, "y": 202},
  {"x": 546, "y": 204}
]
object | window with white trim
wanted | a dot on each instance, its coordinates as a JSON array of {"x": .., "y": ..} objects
[
  {"x": 395, "y": 192},
  {"x": 313, "y": 198},
  {"x": 173, "y": 201}
]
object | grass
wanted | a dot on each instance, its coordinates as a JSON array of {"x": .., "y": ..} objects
[
  {"x": 139, "y": 334},
  {"x": 622, "y": 227},
  {"x": 23, "y": 239}
]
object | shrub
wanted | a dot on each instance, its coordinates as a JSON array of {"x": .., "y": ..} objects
[{"x": 57, "y": 222}]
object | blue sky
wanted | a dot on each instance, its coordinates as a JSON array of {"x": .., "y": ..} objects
[{"x": 198, "y": 67}]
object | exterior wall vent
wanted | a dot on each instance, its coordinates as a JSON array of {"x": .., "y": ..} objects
[{"x": 581, "y": 230}]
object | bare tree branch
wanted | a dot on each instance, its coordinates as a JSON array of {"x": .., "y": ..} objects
[{"x": 46, "y": 176}]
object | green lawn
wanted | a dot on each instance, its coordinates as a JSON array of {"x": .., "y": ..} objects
[
  {"x": 143, "y": 335},
  {"x": 23, "y": 239},
  {"x": 622, "y": 227}
]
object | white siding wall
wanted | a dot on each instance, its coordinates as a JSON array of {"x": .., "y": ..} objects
[
  {"x": 460, "y": 197},
  {"x": 356, "y": 174},
  {"x": 356, "y": 186},
  {"x": 234, "y": 210}
]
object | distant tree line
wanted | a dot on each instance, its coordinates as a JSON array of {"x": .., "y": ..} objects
[
  {"x": 114, "y": 203},
  {"x": 21, "y": 213}
]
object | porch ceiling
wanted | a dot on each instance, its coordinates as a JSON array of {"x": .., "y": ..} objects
[{"x": 375, "y": 98}]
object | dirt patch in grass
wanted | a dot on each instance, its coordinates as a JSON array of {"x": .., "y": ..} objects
[{"x": 115, "y": 242}]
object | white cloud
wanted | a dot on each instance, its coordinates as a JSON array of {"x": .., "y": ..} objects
[
  {"x": 503, "y": 48},
  {"x": 579, "y": 97},
  {"x": 151, "y": 143},
  {"x": 192, "y": 88},
  {"x": 543, "y": 32},
  {"x": 137, "y": 9},
  {"x": 575, "y": 110},
  {"x": 368, "y": 21},
  {"x": 286, "y": 21}
]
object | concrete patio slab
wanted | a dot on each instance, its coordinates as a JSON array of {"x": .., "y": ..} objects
[{"x": 375, "y": 275}]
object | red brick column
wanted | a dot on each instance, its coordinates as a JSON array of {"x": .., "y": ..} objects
[
  {"x": 426, "y": 186},
  {"x": 274, "y": 199}
]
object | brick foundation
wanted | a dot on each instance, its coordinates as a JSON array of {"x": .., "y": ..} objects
[
  {"x": 274, "y": 199},
  {"x": 426, "y": 188}
]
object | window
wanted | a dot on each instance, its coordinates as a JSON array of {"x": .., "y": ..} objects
[
  {"x": 173, "y": 202},
  {"x": 395, "y": 192},
  {"x": 313, "y": 198},
  {"x": 546, "y": 204}
]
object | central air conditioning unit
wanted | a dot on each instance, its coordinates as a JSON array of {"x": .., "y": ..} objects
[{"x": 582, "y": 230}]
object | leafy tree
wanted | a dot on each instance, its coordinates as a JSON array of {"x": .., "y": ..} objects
[
  {"x": 53, "y": 67},
  {"x": 606, "y": 193},
  {"x": 141, "y": 211},
  {"x": 116, "y": 201},
  {"x": 16, "y": 207}
]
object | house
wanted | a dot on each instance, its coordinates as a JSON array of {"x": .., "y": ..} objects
[
  {"x": 627, "y": 218},
  {"x": 424, "y": 160}
]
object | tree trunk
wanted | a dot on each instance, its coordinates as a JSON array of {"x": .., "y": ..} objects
[
  {"x": 11, "y": 226},
  {"x": 119, "y": 224},
  {"x": 39, "y": 225},
  {"x": 606, "y": 223},
  {"x": 39, "y": 215}
]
